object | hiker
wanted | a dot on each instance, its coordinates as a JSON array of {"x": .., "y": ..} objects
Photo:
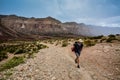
[{"x": 77, "y": 48}]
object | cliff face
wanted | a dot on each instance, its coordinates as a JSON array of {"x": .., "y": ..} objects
[
  {"x": 21, "y": 27},
  {"x": 31, "y": 25}
]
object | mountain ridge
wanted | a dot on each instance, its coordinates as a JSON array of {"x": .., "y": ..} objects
[{"x": 33, "y": 28}]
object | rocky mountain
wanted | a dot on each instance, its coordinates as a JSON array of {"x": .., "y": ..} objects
[
  {"x": 12, "y": 26},
  {"x": 17, "y": 27}
]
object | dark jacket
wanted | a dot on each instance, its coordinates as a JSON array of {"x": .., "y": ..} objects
[{"x": 78, "y": 46}]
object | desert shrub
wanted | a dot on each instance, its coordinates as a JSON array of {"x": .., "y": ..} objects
[
  {"x": 89, "y": 43},
  {"x": 11, "y": 49},
  {"x": 41, "y": 46},
  {"x": 110, "y": 38},
  {"x": 20, "y": 50},
  {"x": 117, "y": 34},
  {"x": 3, "y": 55},
  {"x": 64, "y": 44},
  {"x": 15, "y": 61},
  {"x": 96, "y": 37},
  {"x": 111, "y": 35},
  {"x": 30, "y": 53},
  {"x": 35, "y": 50},
  {"x": 103, "y": 39},
  {"x": 51, "y": 41},
  {"x": 118, "y": 38}
]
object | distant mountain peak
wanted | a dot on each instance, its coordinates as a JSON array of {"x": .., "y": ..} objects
[{"x": 53, "y": 19}]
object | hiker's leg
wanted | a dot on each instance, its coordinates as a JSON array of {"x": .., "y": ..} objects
[
  {"x": 78, "y": 60},
  {"x": 78, "y": 65},
  {"x": 77, "y": 55}
]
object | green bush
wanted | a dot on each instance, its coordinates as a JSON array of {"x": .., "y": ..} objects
[
  {"x": 19, "y": 51},
  {"x": 15, "y": 61},
  {"x": 3, "y": 55},
  {"x": 9, "y": 48}
]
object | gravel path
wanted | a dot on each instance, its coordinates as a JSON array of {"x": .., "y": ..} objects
[{"x": 52, "y": 63}]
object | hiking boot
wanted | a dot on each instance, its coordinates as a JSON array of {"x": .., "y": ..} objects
[{"x": 78, "y": 66}]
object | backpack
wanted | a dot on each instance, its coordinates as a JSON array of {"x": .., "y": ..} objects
[
  {"x": 78, "y": 46},
  {"x": 73, "y": 49}
]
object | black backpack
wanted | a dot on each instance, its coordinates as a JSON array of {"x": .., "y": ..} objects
[{"x": 78, "y": 46}]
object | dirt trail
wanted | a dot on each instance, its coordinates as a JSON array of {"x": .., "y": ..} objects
[
  {"x": 57, "y": 63},
  {"x": 52, "y": 63}
]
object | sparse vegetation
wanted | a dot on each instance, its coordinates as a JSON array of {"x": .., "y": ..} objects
[
  {"x": 89, "y": 42},
  {"x": 3, "y": 55},
  {"x": 64, "y": 43},
  {"x": 20, "y": 48},
  {"x": 111, "y": 35},
  {"x": 12, "y": 63},
  {"x": 101, "y": 38},
  {"x": 26, "y": 48},
  {"x": 96, "y": 37},
  {"x": 110, "y": 38}
]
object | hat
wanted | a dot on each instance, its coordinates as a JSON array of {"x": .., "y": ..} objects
[{"x": 80, "y": 40}]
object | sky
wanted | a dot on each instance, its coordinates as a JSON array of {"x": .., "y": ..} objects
[{"x": 91, "y": 12}]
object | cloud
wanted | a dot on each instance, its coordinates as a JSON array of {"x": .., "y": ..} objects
[
  {"x": 97, "y": 12},
  {"x": 109, "y": 22}
]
